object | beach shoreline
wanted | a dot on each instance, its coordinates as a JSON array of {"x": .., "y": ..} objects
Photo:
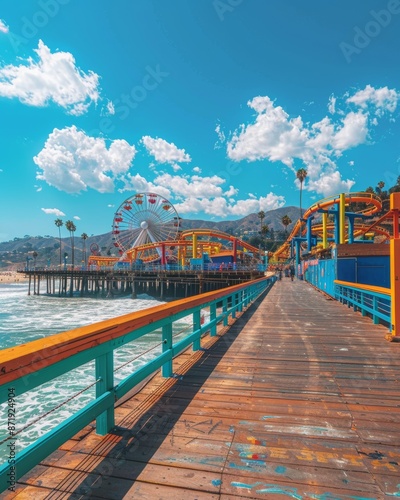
[{"x": 12, "y": 277}]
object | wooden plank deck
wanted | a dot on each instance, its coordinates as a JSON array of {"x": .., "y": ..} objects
[{"x": 299, "y": 398}]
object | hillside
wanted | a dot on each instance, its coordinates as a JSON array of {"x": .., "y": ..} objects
[{"x": 14, "y": 253}]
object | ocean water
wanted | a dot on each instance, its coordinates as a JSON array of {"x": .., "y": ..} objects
[{"x": 25, "y": 318}]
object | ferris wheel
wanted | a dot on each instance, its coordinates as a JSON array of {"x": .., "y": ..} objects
[{"x": 144, "y": 218}]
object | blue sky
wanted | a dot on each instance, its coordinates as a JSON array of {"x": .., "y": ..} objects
[{"x": 213, "y": 104}]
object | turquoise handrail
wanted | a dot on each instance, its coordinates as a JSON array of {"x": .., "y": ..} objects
[
  {"x": 375, "y": 301},
  {"x": 26, "y": 367}
]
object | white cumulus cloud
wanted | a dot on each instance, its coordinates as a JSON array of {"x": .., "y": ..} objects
[
  {"x": 332, "y": 104},
  {"x": 53, "y": 211},
  {"x": 276, "y": 136},
  {"x": 232, "y": 191},
  {"x": 194, "y": 186},
  {"x": 221, "y": 137},
  {"x": 139, "y": 184},
  {"x": 3, "y": 27},
  {"x": 330, "y": 183},
  {"x": 165, "y": 152},
  {"x": 221, "y": 207},
  {"x": 195, "y": 194},
  {"x": 52, "y": 77},
  {"x": 72, "y": 161},
  {"x": 384, "y": 99},
  {"x": 354, "y": 131}
]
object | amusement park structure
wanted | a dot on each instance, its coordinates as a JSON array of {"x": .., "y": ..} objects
[
  {"x": 344, "y": 218},
  {"x": 345, "y": 245},
  {"x": 349, "y": 248},
  {"x": 146, "y": 230},
  {"x": 340, "y": 241}
]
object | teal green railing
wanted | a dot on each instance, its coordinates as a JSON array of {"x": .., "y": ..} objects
[
  {"x": 25, "y": 367},
  {"x": 369, "y": 299}
]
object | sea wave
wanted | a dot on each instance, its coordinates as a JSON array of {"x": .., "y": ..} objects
[{"x": 24, "y": 318}]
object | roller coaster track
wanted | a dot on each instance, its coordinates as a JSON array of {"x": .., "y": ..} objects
[
  {"x": 373, "y": 205},
  {"x": 212, "y": 233},
  {"x": 186, "y": 240}
]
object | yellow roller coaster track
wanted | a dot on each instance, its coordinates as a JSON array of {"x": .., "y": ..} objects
[{"x": 373, "y": 205}]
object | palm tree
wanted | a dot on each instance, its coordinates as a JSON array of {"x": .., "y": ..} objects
[
  {"x": 84, "y": 237},
  {"x": 34, "y": 255},
  {"x": 301, "y": 174},
  {"x": 59, "y": 223},
  {"x": 261, "y": 216},
  {"x": 396, "y": 187},
  {"x": 286, "y": 220},
  {"x": 264, "y": 232},
  {"x": 379, "y": 187},
  {"x": 71, "y": 228}
]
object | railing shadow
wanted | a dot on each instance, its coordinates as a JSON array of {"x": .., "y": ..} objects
[{"x": 140, "y": 438}]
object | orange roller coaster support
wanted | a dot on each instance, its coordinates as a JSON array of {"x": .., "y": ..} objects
[{"x": 395, "y": 268}]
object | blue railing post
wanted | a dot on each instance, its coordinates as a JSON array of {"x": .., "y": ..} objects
[
  {"x": 376, "y": 303},
  {"x": 375, "y": 318},
  {"x": 166, "y": 369},
  {"x": 363, "y": 311},
  {"x": 213, "y": 316},
  {"x": 240, "y": 296},
  {"x": 234, "y": 305},
  {"x": 104, "y": 366},
  {"x": 225, "y": 311},
  {"x": 245, "y": 297},
  {"x": 196, "y": 326}
]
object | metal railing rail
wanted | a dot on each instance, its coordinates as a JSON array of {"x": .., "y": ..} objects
[
  {"x": 368, "y": 299},
  {"x": 27, "y": 366}
]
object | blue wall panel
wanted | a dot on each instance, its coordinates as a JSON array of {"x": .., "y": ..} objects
[
  {"x": 371, "y": 270},
  {"x": 374, "y": 270},
  {"x": 347, "y": 269},
  {"x": 321, "y": 274}
]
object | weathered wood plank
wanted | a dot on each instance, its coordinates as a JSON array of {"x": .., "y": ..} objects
[{"x": 299, "y": 399}]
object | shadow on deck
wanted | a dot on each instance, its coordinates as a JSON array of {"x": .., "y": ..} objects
[{"x": 299, "y": 398}]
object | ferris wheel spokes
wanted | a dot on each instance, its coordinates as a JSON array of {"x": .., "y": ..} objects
[{"x": 144, "y": 218}]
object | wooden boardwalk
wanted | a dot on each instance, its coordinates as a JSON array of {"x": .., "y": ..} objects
[{"x": 299, "y": 399}]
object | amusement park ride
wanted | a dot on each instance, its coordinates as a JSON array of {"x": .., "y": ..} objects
[
  {"x": 146, "y": 229},
  {"x": 343, "y": 219}
]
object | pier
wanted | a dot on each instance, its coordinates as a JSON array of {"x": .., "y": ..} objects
[
  {"x": 293, "y": 396},
  {"x": 158, "y": 283}
]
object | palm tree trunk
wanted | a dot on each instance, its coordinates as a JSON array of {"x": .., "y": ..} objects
[
  {"x": 59, "y": 234},
  {"x": 59, "y": 282},
  {"x": 301, "y": 192},
  {"x": 71, "y": 289}
]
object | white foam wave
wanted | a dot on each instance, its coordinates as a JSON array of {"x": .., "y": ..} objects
[{"x": 24, "y": 318}]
